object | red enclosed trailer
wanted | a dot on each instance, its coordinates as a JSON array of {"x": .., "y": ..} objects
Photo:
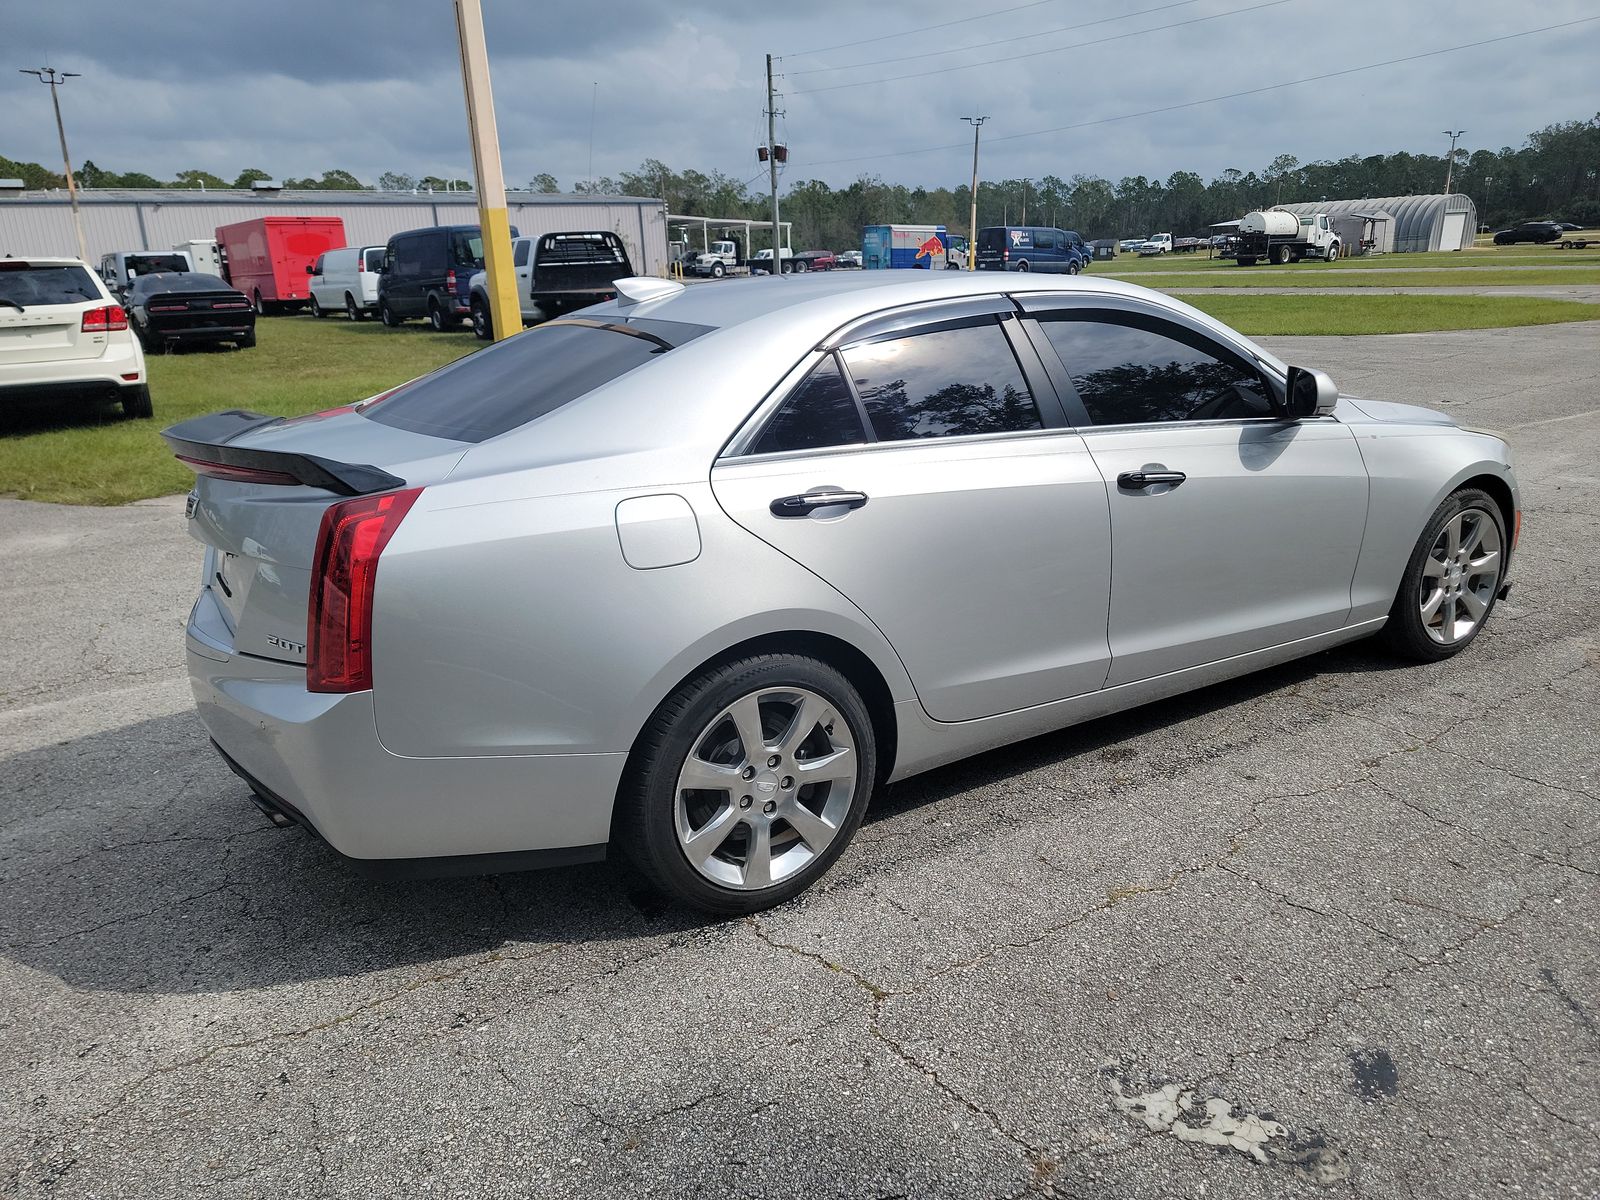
[{"x": 267, "y": 257}]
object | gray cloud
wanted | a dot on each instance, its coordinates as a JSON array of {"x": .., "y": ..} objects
[{"x": 296, "y": 87}]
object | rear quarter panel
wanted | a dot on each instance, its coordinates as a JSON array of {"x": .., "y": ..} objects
[{"x": 517, "y": 627}]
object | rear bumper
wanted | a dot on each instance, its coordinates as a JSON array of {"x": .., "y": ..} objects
[
  {"x": 67, "y": 391},
  {"x": 201, "y": 333},
  {"x": 77, "y": 376},
  {"x": 316, "y": 758}
]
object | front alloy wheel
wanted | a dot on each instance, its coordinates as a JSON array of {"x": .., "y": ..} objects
[
  {"x": 748, "y": 782},
  {"x": 1453, "y": 579}
]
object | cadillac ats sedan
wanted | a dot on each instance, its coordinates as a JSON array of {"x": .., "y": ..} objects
[{"x": 693, "y": 573}]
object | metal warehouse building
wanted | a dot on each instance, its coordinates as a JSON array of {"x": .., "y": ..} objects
[
  {"x": 1418, "y": 222},
  {"x": 40, "y": 223}
]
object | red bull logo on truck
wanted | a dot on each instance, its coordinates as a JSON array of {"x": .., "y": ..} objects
[{"x": 915, "y": 247}]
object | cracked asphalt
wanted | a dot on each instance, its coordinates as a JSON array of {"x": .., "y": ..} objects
[{"x": 1331, "y": 929}]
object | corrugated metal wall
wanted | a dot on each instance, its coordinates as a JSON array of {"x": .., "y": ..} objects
[
  {"x": 41, "y": 223},
  {"x": 1418, "y": 220}
]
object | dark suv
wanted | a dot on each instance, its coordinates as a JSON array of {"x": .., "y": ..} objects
[
  {"x": 1529, "y": 231},
  {"x": 428, "y": 273}
]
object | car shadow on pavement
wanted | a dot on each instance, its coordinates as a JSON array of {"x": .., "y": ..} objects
[{"x": 133, "y": 861}]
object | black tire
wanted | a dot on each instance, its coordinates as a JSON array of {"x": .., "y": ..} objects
[
  {"x": 1023, "y": 267},
  {"x": 247, "y": 342},
  {"x": 717, "y": 270},
  {"x": 1278, "y": 255},
  {"x": 388, "y": 316},
  {"x": 482, "y": 322},
  {"x": 1405, "y": 633},
  {"x": 352, "y": 310},
  {"x": 438, "y": 318},
  {"x": 645, "y": 822},
  {"x": 317, "y": 310},
  {"x": 1073, "y": 268},
  {"x": 136, "y": 402},
  {"x": 257, "y": 303},
  {"x": 1332, "y": 253}
]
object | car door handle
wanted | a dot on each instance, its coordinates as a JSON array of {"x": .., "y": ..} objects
[
  {"x": 804, "y": 506},
  {"x": 1133, "y": 481}
]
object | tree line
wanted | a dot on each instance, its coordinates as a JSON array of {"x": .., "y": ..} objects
[{"x": 1554, "y": 174}]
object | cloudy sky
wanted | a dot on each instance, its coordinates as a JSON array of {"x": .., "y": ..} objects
[{"x": 295, "y": 87}]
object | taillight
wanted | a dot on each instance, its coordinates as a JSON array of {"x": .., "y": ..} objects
[
  {"x": 450, "y": 280},
  {"x": 1005, "y": 255},
  {"x": 167, "y": 307},
  {"x": 108, "y": 319},
  {"x": 344, "y": 572},
  {"x": 361, "y": 266}
]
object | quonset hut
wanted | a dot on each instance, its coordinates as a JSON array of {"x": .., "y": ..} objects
[{"x": 1416, "y": 222}]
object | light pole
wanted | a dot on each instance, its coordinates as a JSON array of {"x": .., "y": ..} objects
[
  {"x": 972, "y": 222},
  {"x": 55, "y": 78},
  {"x": 1449, "y": 170}
]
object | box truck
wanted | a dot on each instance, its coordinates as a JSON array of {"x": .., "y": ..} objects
[
  {"x": 267, "y": 257},
  {"x": 918, "y": 247}
]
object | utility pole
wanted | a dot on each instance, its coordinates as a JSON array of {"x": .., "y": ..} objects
[
  {"x": 772, "y": 170},
  {"x": 972, "y": 221},
  {"x": 1449, "y": 170},
  {"x": 494, "y": 223},
  {"x": 1024, "y": 201},
  {"x": 55, "y": 78}
]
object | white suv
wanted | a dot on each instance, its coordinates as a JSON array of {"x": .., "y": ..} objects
[{"x": 63, "y": 336}]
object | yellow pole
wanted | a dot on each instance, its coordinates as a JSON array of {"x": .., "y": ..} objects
[{"x": 505, "y": 307}]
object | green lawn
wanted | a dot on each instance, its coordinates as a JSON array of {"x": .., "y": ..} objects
[
  {"x": 1290, "y": 276},
  {"x": 298, "y": 365},
  {"x": 1489, "y": 256},
  {"x": 1288, "y": 315}
]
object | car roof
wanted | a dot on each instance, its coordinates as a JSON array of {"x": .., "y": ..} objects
[{"x": 39, "y": 260}]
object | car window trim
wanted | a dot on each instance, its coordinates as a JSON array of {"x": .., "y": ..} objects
[
  {"x": 1036, "y": 308},
  {"x": 898, "y": 321}
]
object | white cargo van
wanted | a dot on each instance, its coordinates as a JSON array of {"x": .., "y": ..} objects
[{"x": 346, "y": 278}]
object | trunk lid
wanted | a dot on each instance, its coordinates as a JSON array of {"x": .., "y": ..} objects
[
  {"x": 261, "y": 537},
  {"x": 48, "y": 325}
]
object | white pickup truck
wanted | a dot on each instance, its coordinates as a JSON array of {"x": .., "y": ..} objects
[
  {"x": 556, "y": 273},
  {"x": 1156, "y": 243}
]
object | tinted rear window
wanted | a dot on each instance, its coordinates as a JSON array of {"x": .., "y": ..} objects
[
  {"x": 189, "y": 281},
  {"x": 150, "y": 264},
  {"x": 526, "y": 377},
  {"x": 27, "y": 285},
  {"x": 991, "y": 239},
  {"x": 374, "y": 257}
]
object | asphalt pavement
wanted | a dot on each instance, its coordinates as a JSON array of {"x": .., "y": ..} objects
[{"x": 1333, "y": 929}]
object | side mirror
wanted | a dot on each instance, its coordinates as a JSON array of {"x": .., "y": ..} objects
[
  {"x": 1311, "y": 393},
  {"x": 310, "y": 269}
]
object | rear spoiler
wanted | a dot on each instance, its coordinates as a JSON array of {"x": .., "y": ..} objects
[{"x": 203, "y": 442}]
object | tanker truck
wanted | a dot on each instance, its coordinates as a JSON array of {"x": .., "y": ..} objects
[{"x": 1281, "y": 237}]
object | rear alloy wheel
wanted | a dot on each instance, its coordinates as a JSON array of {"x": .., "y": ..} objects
[
  {"x": 482, "y": 325},
  {"x": 1452, "y": 581},
  {"x": 748, "y": 783},
  {"x": 136, "y": 402},
  {"x": 352, "y": 310},
  {"x": 317, "y": 310}
]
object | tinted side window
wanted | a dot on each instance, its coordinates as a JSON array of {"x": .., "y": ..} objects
[
  {"x": 1130, "y": 371},
  {"x": 948, "y": 383},
  {"x": 520, "y": 254},
  {"x": 1044, "y": 240},
  {"x": 820, "y": 412},
  {"x": 374, "y": 257},
  {"x": 316, "y": 267}
]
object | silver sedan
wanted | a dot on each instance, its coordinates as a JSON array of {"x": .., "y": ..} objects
[{"x": 695, "y": 572}]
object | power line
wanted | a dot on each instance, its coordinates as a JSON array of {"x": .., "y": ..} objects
[
  {"x": 989, "y": 62},
  {"x": 1022, "y": 37},
  {"x": 884, "y": 37},
  {"x": 1271, "y": 87}
]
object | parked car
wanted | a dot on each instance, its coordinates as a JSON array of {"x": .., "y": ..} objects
[
  {"x": 1529, "y": 231},
  {"x": 507, "y": 582},
  {"x": 849, "y": 258},
  {"x": 346, "y": 279},
  {"x": 64, "y": 338},
  {"x": 121, "y": 267},
  {"x": 556, "y": 273},
  {"x": 172, "y": 310},
  {"x": 267, "y": 257},
  {"x": 1031, "y": 248},
  {"x": 428, "y": 273},
  {"x": 815, "y": 260},
  {"x": 1568, "y": 227},
  {"x": 1127, "y": 245}
]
